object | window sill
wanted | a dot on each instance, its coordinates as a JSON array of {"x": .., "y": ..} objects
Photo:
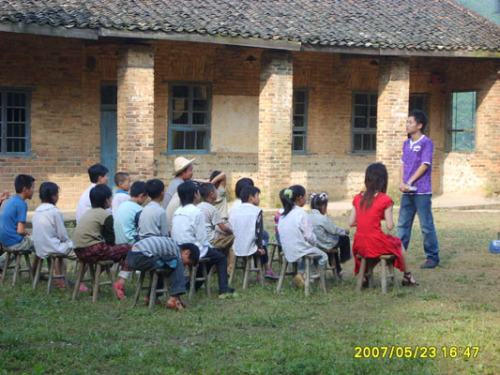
[
  {"x": 20, "y": 156},
  {"x": 361, "y": 153},
  {"x": 187, "y": 152}
]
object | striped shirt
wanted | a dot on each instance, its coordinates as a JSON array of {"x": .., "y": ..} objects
[{"x": 156, "y": 245}]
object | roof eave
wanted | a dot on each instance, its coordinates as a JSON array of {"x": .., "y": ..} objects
[{"x": 46, "y": 30}]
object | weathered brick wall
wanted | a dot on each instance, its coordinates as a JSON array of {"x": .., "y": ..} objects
[{"x": 65, "y": 113}]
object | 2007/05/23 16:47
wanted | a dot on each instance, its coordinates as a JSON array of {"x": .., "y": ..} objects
[{"x": 394, "y": 351}]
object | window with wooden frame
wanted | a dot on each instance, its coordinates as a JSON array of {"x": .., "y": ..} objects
[
  {"x": 364, "y": 122},
  {"x": 300, "y": 107},
  {"x": 14, "y": 121},
  {"x": 462, "y": 121},
  {"x": 189, "y": 117}
]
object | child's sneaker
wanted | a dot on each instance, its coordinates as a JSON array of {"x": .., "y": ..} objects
[
  {"x": 119, "y": 288},
  {"x": 231, "y": 293},
  {"x": 271, "y": 275},
  {"x": 83, "y": 287},
  {"x": 298, "y": 281}
]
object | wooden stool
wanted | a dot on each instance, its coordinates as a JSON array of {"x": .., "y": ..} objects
[
  {"x": 332, "y": 263},
  {"x": 248, "y": 266},
  {"x": 367, "y": 266},
  {"x": 284, "y": 272},
  {"x": 193, "y": 278},
  {"x": 154, "y": 276},
  {"x": 320, "y": 273},
  {"x": 51, "y": 261},
  {"x": 95, "y": 272},
  {"x": 17, "y": 265},
  {"x": 272, "y": 248}
]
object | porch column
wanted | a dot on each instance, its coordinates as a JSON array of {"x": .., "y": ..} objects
[
  {"x": 275, "y": 125},
  {"x": 135, "y": 128},
  {"x": 392, "y": 114}
]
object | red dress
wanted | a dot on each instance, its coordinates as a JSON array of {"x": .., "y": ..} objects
[{"x": 370, "y": 241}]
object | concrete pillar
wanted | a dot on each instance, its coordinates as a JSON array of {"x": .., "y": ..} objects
[
  {"x": 275, "y": 125},
  {"x": 135, "y": 128},
  {"x": 392, "y": 114}
]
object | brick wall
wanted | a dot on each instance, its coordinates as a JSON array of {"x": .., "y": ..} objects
[{"x": 65, "y": 114}]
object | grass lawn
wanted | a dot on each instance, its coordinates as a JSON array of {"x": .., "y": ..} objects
[{"x": 456, "y": 305}]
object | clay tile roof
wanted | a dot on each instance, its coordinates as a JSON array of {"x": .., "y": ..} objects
[{"x": 434, "y": 25}]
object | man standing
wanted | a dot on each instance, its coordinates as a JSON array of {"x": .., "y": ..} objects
[
  {"x": 415, "y": 184},
  {"x": 183, "y": 171}
]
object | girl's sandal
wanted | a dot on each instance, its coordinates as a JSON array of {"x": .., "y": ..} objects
[
  {"x": 175, "y": 304},
  {"x": 408, "y": 280}
]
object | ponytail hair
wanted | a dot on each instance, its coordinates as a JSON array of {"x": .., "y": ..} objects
[
  {"x": 289, "y": 195},
  {"x": 376, "y": 182},
  {"x": 318, "y": 200}
]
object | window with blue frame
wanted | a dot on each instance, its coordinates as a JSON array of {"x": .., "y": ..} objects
[
  {"x": 364, "y": 122},
  {"x": 14, "y": 122},
  {"x": 189, "y": 117},
  {"x": 300, "y": 105},
  {"x": 462, "y": 122}
]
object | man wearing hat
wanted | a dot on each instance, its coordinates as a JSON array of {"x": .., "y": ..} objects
[{"x": 183, "y": 171}]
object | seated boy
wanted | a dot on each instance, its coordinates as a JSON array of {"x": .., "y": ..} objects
[
  {"x": 14, "y": 235},
  {"x": 98, "y": 174},
  {"x": 94, "y": 237},
  {"x": 189, "y": 227},
  {"x": 122, "y": 181},
  {"x": 153, "y": 219},
  {"x": 219, "y": 235},
  {"x": 154, "y": 253},
  {"x": 126, "y": 217},
  {"x": 248, "y": 228}
]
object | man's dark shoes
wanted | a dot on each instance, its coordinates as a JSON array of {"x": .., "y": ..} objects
[{"x": 429, "y": 264}]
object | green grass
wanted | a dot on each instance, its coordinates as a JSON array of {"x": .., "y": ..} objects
[{"x": 267, "y": 333}]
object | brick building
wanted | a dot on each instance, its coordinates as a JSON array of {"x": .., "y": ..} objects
[{"x": 280, "y": 91}]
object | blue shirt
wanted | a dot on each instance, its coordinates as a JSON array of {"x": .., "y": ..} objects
[
  {"x": 14, "y": 212},
  {"x": 124, "y": 222}
]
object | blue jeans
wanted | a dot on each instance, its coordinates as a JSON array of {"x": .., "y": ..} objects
[{"x": 422, "y": 205}]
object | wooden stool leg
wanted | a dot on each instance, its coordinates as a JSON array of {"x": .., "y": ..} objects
[
  {"x": 233, "y": 267},
  {"x": 260, "y": 274},
  {"x": 322, "y": 275},
  {"x": 64, "y": 273},
  {"x": 16, "y": 268},
  {"x": 52, "y": 264},
  {"x": 393, "y": 275},
  {"x": 153, "y": 277},
  {"x": 383, "y": 264},
  {"x": 80, "y": 271},
  {"x": 96, "y": 279},
  {"x": 192, "y": 280},
  {"x": 37, "y": 274},
  {"x": 205, "y": 276},
  {"x": 307, "y": 277},
  {"x": 6, "y": 266},
  {"x": 361, "y": 274},
  {"x": 284, "y": 265},
  {"x": 138, "y": 289},
  {"x": 246, "y": 274}
]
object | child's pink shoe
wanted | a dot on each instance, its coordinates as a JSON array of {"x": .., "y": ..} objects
[
  {"x": 83, "y": 288},
  {"x": 119, "y": 288},
  {"x": 271, "y": 275}
]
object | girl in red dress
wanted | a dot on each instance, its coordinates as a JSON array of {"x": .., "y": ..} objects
[{"x": 369, "y": 209}]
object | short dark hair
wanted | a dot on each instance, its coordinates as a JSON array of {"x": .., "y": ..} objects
[
  {"x": 214, "y": 174},
  {"x": 195, "y": 251},
  {"x": 138, "y": 188},
  {"x": 23, "y": 181},
  {"x": 247, "y": 192},
  {"x": 121, "y": 177},
  {"x": 97, "y": 170},
  {"x": 187, "y": 190},
  {"x": 154, "y": 187},
  {"x": 47, "y": 192},
  {"x": 242, "y": 182},
  {"x": 206, "y": 189},
  {"x": 420, "y": 118},
  {"x": 98, "y": 196}
]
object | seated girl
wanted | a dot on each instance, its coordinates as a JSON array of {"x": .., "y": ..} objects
[{"x": 369, "y": 209}]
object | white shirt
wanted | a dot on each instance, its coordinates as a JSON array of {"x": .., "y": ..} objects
[
  {"x": 83, "y": 204},
  {"x": 188, "y": 226},
  {"x": 49, "y": 233},
  {"x": 118, "y": 199},
  {"x": 296, "y": 234},
  {"x": 243, "y": 221}
]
